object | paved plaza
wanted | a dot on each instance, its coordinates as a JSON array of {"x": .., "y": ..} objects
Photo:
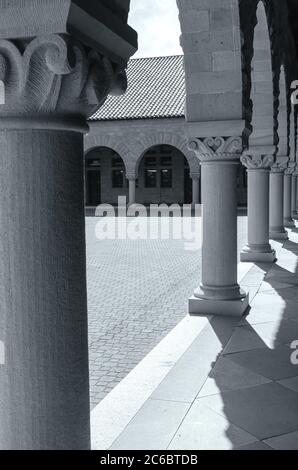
[{"x": 137, "y": 293}]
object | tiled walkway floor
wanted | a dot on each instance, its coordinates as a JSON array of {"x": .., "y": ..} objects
[
  {"x": 235, "y": 387},
  {"x": 137, "y": 293}
]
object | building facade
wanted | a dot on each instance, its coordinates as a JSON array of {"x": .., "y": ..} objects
[{"x": 145, "y": 146}]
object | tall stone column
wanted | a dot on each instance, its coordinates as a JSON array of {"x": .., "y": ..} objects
[
  {"x": 52, "y": 84},
  {"x": 258, "y": 248},
  {"x": 276, "y": 196},
  {"x": 294, "y": 196},
  {"x": 288, "y": 220},
  {"x": 132, "y": 191},
  {"x": 195, "y": 189},
  {"x": 219, "y": 292}
]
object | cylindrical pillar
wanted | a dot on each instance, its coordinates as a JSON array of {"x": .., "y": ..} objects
[
  {"x": 195, "y": 190},
  {"x": 288, "y": 221},
  {"x": 132, "y": 191},
  {"x": 276, "y": 212},
  {"x": 258, "y": 248},
  {"x": 294, "y": 197},
  {"x": 44, "y": 384}
]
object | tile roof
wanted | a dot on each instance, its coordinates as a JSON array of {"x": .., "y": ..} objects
[{"x": 156, "y": 89}]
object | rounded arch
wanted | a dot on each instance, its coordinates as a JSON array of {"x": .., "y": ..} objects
[
  {"x": 112, "y": 142},
  {"x": 173, "y": 140},
  {"x": 262, "y": 84}
]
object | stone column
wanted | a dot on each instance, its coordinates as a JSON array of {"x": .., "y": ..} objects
[
  {"x": 219, "y": 292},
  {"x": 258, "y": 248},
  {"x": 52, "y": 84},
  {"x": 195, "y": 189},
  {"x": 294, "y": 196},
  {"x": 288, "y": 221},
  {"x": 276, "y": 195},
  {"x": 132, "y": 191}
]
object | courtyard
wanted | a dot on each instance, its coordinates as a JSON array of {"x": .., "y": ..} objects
[{"x": 137, "y": 293}]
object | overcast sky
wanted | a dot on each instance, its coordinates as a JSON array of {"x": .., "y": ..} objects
[{"x": 157, "y": 24}]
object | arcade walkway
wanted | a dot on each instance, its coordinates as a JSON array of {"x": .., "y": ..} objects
[{"x": 217, "y": 383}]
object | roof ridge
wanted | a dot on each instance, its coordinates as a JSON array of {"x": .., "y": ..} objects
[{"x": 157, "y": 57}]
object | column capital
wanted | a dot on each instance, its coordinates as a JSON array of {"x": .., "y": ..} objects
[
  {"x": 290, "y": 169},
  {"x": 217, "y": 149},
  {"x": 280, "y": 165},
  {"x": 53, "y": 78},
  {"x": 257, "y": 162}
]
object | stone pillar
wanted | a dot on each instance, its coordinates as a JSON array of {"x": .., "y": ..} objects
[
  {"x": 195, "y": 190},
  {"x": 288, "y": 221},
  {"x": 219, "y": 292},
  {"x": 294, "y": 196},
  {"x": 52, "y": 86},
  {"x": 276, "y": 195},
  {"x": 258, "y": 248},
  {"x": 132, "y": 191}
]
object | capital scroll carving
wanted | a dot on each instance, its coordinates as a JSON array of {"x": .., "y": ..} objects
[
  {"x": 55, "y": 74},
  {"x": 255, "y": 162},
  {"x": 217, "y": 148}
]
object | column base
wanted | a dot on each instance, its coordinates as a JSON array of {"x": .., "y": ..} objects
[
  {"x": 232, "y": 308},
  {"x": 295, "y": 216},
  {"x": 279, "y": 235},
  {"x": 248, "y": 255}
]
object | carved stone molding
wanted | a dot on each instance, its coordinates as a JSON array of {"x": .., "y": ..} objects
[
  {"x": 279, "y": 166},
  {"x": 258, "y": 162},
  {"x": 212, "y": 149},
  {"x": 55, "y": 74},
  {"x": 291, "y": 169}
]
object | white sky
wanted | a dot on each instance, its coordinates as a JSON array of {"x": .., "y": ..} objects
[{"x": 157, "y": 24}]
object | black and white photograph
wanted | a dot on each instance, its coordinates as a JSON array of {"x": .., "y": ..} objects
[{"x": 149, "y": 230}]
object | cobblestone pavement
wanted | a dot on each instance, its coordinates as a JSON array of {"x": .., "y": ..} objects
[{"x": 137, "y": 293}]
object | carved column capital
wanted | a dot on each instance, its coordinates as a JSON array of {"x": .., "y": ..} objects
[
  {"x": 280, "y": 165},
  {"x": 290, "y": 168},
  {"x": 257, "y": 162},
  {"x": 217, "y": 149},
  {"x": 55, "y": 75}
]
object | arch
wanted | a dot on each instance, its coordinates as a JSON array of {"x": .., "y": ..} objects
[
  {"x": 262, "y": 84},
  {"x": 112, "y": 142},
  {"x": 171, "y": 139},
  {"x": 282, "y": 117}
]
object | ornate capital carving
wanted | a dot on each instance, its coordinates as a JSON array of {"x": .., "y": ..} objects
[
  {"x": 280, "y": 165},
  {"x": 55, "y": 74},
  {"x": 290, "y": 169},
  {"x": 257, "y": 162},
  {"x": 217, "y": 148}
]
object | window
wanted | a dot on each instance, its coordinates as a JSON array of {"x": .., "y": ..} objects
[
  {"x": 166, "y": 161},
  {"x": 150, "y": 178},
  {"x": 150, "y": 161},
  {"x": 93, "y": 162},
  {"x": 117, "y": 179},
  {"x": 117, "y": 162},
  {"x": 166, "y": 178}
]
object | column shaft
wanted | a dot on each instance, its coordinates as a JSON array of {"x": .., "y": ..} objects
[
  {"x": 132, "y": 191},
  {"x": 276, "y": 213},
  {"x": 288, "y": 221},
  {"x": 44, "y": 384},
  {"x": 219, "y": 292},
  {"x": 195, "y": 190},
  {"x": 294, "y": 197},
  {"x": 258, "y": 248}
]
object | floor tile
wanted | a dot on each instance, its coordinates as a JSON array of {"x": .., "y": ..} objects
[
  {"x": 227, "y": 375},
  {"x": 245, "y": 338},
  {"x": 292, "y": 383},
  {"x": 275, "y": 364},
  {"x": 153, "y": 427},
  {"x": 259, "y": 445},
  {"x": 203, "y": 429},
  {"x": 284, "y": 442},
  {"x": 263, "y": 411}
]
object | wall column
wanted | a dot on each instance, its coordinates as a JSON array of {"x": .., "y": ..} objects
[
  {"x": 195, "y": 190},
  {"x": 276, "y": 195},
  {"x": 51, "y": 88},
  {"x": 288, "y": 220},
  {"x": 219, "y": 292},
  {"x": 132, "y": 191},
  {"x": 258, "y": 248}
]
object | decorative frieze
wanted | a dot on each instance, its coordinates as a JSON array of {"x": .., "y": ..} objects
[{"x": 213, "y": 149}]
